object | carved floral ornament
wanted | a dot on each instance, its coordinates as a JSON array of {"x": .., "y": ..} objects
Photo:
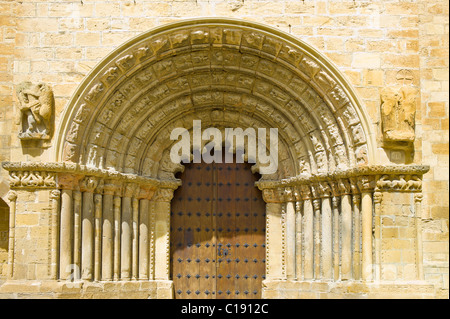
[
  {"x": 371, "y": 179},
  {"x": 227, "y": 73},
  {"x": 75, "y": 177}
]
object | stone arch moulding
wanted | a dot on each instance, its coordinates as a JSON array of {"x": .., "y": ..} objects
[{"x": 253, "y": 73}]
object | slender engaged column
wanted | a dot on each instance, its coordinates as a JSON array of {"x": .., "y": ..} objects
[
  {"x": 67, "y": 183},
  {"x": 377, "y": 198},
  {"x": 146, "y": 194},
  {"x": 419, "y": 248},
  {"x": 108, "y": 230},
  {"x": 117, "y": 218},
  {"x": 55, "y": 196},
  {"x": 346, "y": 211},
  {"x": 126, "y": 232},
  {"x": 88, "y": 185},
  {"x": 356, "y": 199},
  {"x": 366, "y": 215},
  {"x": 335, "y": 208},
  {"x": 77, "y": 228},
  {"x": 98, "y": 215},
  {"x": 316, "y": 206},
  {"x": 135, "y": 237},
  {"x": 327, "y": 232},
  {"x": 290, "y": 234},
  {"x": 308, "y": 216},
  {"x": 12, "y": 197},
  {"x": 298, "y": 239}
]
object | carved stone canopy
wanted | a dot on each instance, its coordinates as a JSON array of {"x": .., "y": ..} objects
[{"x": 226, "y": 73}]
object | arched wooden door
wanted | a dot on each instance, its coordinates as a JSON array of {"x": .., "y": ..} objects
[{"x": 218, "y": 233}]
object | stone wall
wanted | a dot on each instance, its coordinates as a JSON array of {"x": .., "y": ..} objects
[{"x": 372, "y": 43}]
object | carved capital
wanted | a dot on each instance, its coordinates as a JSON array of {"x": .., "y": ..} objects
[
  {"x": 272, "y": 195},
  {"x": 145, "y": 192},
  {"x": 112, "y": 187},
  {"x": 305, "y": 192},
  {"x": 163, "y": 195},
  {"x": 130, "y": 189},
  {"x": 344, "y": 186},
  {"x": 55, "y": 194},
  {"x": 12, "y": 196},
  {"x": 324, "y": 189},
  {"x": 366, "y": 183},
  {"x": 68, "y": 181},
  {"x": 89, "y": 184}
]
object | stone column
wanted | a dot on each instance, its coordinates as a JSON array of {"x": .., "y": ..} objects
[
  {"x": 347, "y": 221},
  {"x": 316, "y": 208},
  {"x": 98, "y": 216},
  {"x": 12, "y": 197},
  {"x": 298, "y": 235},
  {"x": 419, "y": 244},
  {"x": 55, "y": 196},
  {"x": 145, "y": 195},
  {"x": 67, "y": 182},
  {"x": 308, "y": 216},
  {"x": 335, "y": 200},
  {"x": 356, "y": 201},
  {"x": 290, "y": 233},
  {"x": 117, "y": 217},
  {"x": 77, "y": 228},
  {"x": 162, "y": 199},
  {"x": 87, "y": 186},
  {"x": 326, "y": 231},
  {"x": 109, "y": 188},
  {"x": 377, "y": 198},
  {"x": 366, "y": 188},
  {"x": 134, "y": 241},
  {"x": 126, "y": 232}
]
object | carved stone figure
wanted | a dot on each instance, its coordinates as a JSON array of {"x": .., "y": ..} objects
[
  {"x": 36, "y": 105},
  {"x": 398, "y": 110}
]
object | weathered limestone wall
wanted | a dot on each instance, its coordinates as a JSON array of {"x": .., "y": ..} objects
[{"x": 59, "y": 42}]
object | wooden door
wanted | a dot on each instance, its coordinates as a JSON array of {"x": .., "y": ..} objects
[{"x": 217, "y": 233}]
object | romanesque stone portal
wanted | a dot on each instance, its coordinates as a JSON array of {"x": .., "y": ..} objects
[{"x": 106, "y": 198}]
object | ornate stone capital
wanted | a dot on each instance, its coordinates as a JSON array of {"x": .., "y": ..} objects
[
  {"x": 272, "y": 195},
  {"x": 89, "y": 184},
  {"x": 68, "y": 181},
  {"x": 163, "y": 195},
  {"x": 130, "y": 189},
  {"x": 12, "y": 196},
  {"x": 112, "y": 187}
]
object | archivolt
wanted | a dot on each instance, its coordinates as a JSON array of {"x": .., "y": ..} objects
[{"x": 227, "y": 73}]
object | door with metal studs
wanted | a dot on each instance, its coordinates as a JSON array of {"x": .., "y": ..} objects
[{"x": 217, "y": 233}]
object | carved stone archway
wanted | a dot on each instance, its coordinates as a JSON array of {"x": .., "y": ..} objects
[{"x": 112, "y": 181}]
